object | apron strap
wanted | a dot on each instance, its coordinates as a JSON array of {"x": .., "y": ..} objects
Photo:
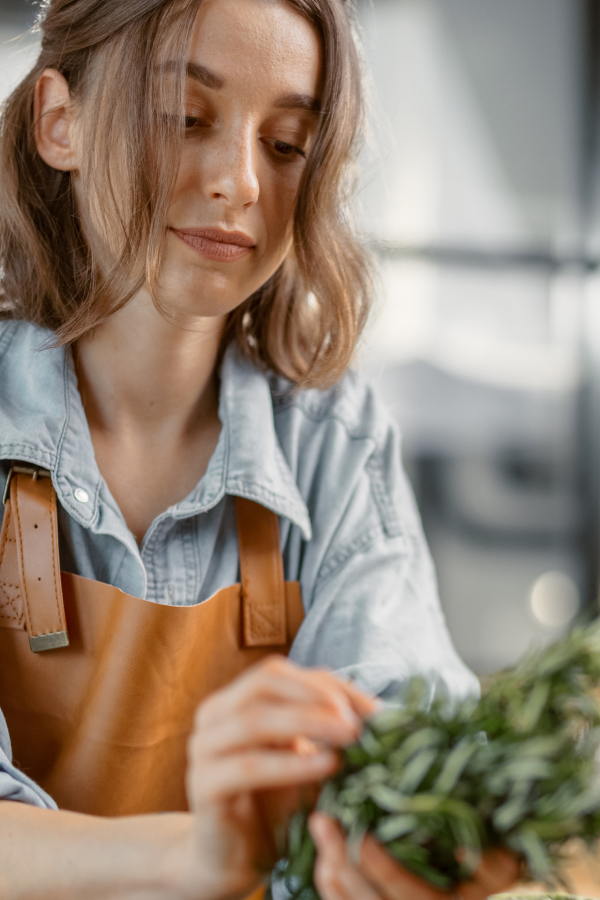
[
  {"x": 30, "y": 513},
  {"x": 32, "y": 505},
  {"x": 261, "y": 567}
]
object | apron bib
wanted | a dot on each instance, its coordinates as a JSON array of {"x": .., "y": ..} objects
[{"x": 99, "y": 688}]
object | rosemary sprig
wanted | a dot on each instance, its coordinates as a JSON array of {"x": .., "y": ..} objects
[{"x": 439, "y": 785}]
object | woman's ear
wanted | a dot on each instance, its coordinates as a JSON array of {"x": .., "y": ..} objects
[{"x": 53, "y": 117}]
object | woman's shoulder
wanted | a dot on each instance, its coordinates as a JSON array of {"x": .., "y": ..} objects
[
  {"x": 32, "y": 392},
  {"x": 351, "y": 406},
  {"x": 19, "y": 338},
  {"x": 343, "y": 444},
  {"x": 30, "y": 361}
]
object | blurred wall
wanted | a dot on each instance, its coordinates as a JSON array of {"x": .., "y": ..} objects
[
  {"x": 18, "y": 45},
  {"x": 473, "y": 187}
]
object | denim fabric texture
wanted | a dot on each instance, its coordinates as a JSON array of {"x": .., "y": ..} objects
[{"x": 327, "y": 462}]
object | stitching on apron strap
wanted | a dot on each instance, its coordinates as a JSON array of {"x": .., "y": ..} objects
[
  {"x": 38, "y": 561},
  {"x": 261, "y": 568},
  {"x": 11, "y": 602},
  {"x": 19, "y": 538}
]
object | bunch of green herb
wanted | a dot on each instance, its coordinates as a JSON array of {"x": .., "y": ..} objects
[{"x": 439, "y": 785}]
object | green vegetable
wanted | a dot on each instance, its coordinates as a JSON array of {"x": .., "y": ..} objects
[{"x": 439, "y": 785}]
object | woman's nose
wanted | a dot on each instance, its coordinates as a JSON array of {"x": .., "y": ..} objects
[{"x": 231, "y": 174}]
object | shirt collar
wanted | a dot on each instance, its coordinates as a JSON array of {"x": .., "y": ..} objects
[
  {"x": 248, "y": 461},
  {"x": 43, "y": 423}
]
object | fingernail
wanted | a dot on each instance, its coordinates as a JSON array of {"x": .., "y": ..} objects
[
  {"x": 344, "y": 732},
  {"x": 349, "y": 716},
  {"x": 323, "y": 758},
  {"x": 317, "y": 825}
]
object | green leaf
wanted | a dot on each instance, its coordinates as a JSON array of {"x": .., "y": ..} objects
[
  {"x": 528, "y": 843},
  {"x": 533, "y": 707},
  {"x": 370, "y": 743},
  {"x": 389, "y": 799},
  {"x": 416, "y": 770},
  {"x": 511, "y": 812},
  {"x": 419, "y": 740},
  {"x": 395, "y": 826},
  {"x": 527, "y": 769},
  {"x": 455, "y": 764}
]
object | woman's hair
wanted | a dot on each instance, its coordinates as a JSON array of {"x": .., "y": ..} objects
[{"x": 305, "y": 321}]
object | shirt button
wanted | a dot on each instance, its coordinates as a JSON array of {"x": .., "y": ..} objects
[{"x": 81, "y": 495}]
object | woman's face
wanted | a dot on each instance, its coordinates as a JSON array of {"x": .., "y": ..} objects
[
  {"x": 251, "y": 112},
  {"x": 252, "y": 105}
]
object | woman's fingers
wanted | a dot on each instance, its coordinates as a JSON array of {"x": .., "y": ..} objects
[
  {"x": 336, "y": 878},
  {"x": 379, "y": 877},
  {"x": 364, "y": 704},
  {"x": 273, "y": 724},
  {"x": 277, "y": 679},
  {"x": 392, "y": 879},
  {"x": 257, "y": 770},
  {"x": 386, "y": 879},
  {"x": 497, "y": 871},
  {"x": 269, "y": 729}
]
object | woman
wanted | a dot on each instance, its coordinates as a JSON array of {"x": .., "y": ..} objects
[{"x": 182, "y": 295}]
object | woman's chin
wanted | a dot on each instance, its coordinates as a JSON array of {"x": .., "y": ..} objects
[{"x": 185, "y": 310}]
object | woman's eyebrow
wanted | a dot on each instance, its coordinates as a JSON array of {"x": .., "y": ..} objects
[
  {"x": 195, "y": 71},
  {"x": 204, "y": 76},
  {"x": 299, "y": 101}
]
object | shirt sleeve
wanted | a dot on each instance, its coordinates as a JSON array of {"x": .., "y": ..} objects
[
  {"x": 377, "y": 619},
  {"x": 370, "y": 591},
  {"x": 14, "y": 785}
]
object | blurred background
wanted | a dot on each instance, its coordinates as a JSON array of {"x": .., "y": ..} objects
[{"x": 480, "y": 194}]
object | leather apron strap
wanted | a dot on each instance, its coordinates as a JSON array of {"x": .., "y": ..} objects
[
  {"x": 30, "y": 513},
  {"x": 32, "y": 505},
  {"x": 261, "y": 569}
]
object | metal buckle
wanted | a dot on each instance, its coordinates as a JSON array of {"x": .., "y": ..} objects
[
  {"x": 35, "y": 472},
  {"x": 40, "y": 642}
]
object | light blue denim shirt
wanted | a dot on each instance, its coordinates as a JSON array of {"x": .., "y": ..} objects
[{"x": 327, "y": 462}]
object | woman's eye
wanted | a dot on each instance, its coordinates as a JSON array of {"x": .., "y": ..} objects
[
  {"x": 194, "y": 122},
  {"x": 285, "y": 149}
]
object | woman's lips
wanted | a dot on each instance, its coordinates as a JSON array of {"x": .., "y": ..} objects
[{"x": 215, "y": 244}]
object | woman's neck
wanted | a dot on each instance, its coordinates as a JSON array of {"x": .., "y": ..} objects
[
  {"x": 150, "y": 395},
  {"x": 139, "y": 371}
]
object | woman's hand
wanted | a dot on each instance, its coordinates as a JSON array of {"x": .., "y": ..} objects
[
  {"x": 260, "y": 747},
  {"x": 380, "y": 877}
]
